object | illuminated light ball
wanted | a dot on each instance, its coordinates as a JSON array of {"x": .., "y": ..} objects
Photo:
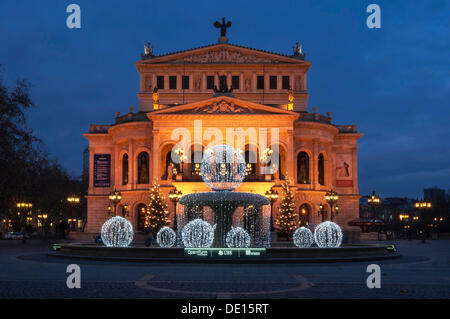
[
  {"x": 237, "y": 237},
  {"x": 223, "y": 168},
  {"x": 166, "y": 237},
  {"x": 327, "y": 235},
  {"x": 197, "y": 234},
  {"x": 303, "y": 237},
  {"x": 117, "y": 232}
]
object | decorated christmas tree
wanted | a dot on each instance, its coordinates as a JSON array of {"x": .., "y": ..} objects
[
  {"x": 286, "y": 217},
  {"x": 157, "y": 213}
]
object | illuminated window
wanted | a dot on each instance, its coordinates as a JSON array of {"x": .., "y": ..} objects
[
  {"x": 141, "y": 211},
  {"x": 303, "y": 168},
  {"x": 125, "y": 169},
  {"x": 143, "y": 168}
]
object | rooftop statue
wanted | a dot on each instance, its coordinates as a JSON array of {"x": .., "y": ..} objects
[
  {"x": 148, "y": 49},
  {"x": 223, "y": 27}
]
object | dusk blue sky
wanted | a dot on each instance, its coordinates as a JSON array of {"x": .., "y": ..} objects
[{"x": 393, "y": 82}]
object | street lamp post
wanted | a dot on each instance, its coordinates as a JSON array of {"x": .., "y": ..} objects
[
  {"x": 373, "y": 202},
  {"x": 22, "y": 208},
  {"x": 174, "y": 196},
  {"x": 115, "y": 198},
  {"x": 422, "y": 206},
  {"x": 321, "y": 212},
  {"x": 331, "y": 198},
  {"x": 272, "y": 196},
  {"x": 73, "y": 201}
]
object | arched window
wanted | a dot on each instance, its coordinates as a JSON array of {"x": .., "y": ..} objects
[
  {"x": 279, "y": 163},
  {"x": 304, "y": 214},
  {"x": 250, "y": 159},
  {"x": 302, "y": 168},
  {"x": 125, "y": 169},
  {"x": 143, "y": 168},
  {"x": 321, "y": 169},
  {"x": 168, "y": 167},
  {"x": 141, "y": 212},
  {"x": 195, "y": 166}
]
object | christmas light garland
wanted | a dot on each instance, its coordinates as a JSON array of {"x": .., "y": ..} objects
[
  {"x": 328, "y": 234},
  {"x": 197, "y": 234},
  {"x": 166, "y": 237},
  {"x": 117, "y": 232},
  {"x": 303, "y": 237},
  {"x": 223, "y": 168},
  {"x": 237, "y": 237}
]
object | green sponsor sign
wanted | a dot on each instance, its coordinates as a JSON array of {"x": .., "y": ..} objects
[{"x": 224, "y": 252}]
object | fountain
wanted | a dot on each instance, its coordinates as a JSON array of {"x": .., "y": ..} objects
[
  {"x": 223, "y": 170},
  {"x": 235, "y": 222}
]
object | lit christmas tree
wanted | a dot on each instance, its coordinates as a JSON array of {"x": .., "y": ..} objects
[
  {"x": 286, "y": 218},
  {"x": 157, "y": 213}
]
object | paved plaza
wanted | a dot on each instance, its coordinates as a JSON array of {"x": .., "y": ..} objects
[{"x": 422, "y": 272}]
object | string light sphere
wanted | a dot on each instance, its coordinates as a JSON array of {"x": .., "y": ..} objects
[
  {"x": 166, "y": 237},
  {"x": 197, "y": 234},
  {"x": 223, "y": 168},
  {"x": 328, "y": 235},
  {"x": 117, "y": 232},
  {"x": 303, "y": 237},
  {"x": 237, "y": 237}
]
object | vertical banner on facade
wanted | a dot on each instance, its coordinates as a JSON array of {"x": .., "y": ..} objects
[{"x": 102, "y": 170}]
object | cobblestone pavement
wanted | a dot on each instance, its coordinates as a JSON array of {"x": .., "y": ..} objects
[{"x": 422, "y": 272}]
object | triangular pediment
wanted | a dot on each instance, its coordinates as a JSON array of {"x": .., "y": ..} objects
[
  {"x": 222, "y": 105},
  {"x": 222, "y": 54}
]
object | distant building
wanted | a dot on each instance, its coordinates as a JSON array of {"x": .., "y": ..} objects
[{"x": 393, "y": 211}]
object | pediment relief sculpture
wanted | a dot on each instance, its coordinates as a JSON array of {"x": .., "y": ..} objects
[
  {"x": 223, "y": 107},
  {"x": 223, "y": 56}
]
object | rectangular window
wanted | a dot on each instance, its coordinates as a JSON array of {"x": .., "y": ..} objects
[
  {"x": 235, "y": 82},
  {"x": 185, "y": 82},
  {"x": 286, "y": 81},
  {"x": 260, "y": 82},
  {"x": 173, "y": 82},
  {"x": 273, "y": 82},
  {"x": 210, "y": 82},
  {"x": 160, "y": 82}
]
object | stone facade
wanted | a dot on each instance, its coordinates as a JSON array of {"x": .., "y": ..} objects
[{"x": 315, "y": 155}]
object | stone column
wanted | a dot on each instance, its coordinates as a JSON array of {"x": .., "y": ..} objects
[
  {"x": 203, "y": 82},
  {"x": 314, "y": 161},
  {"x": 166, "y": 82},
  {"x": 279, "y": 83},
  {"x": 116, "y": 168},
  {"x": 191, "y": 82},
  {"x": 254, "y": 82},
  {"x": 216, "y": 80},
  {"x": 178, "y": 82},
  {"x": 241, "y": 82},
  {"x": 156, "y": 156},
  {"x": 142, "y": 82},
  {"x": 290, "y": 155},
  {"x": 355, "y": 170},
  {"x": 229, "y": 79},
  {"x": 132, "y": 160}
]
